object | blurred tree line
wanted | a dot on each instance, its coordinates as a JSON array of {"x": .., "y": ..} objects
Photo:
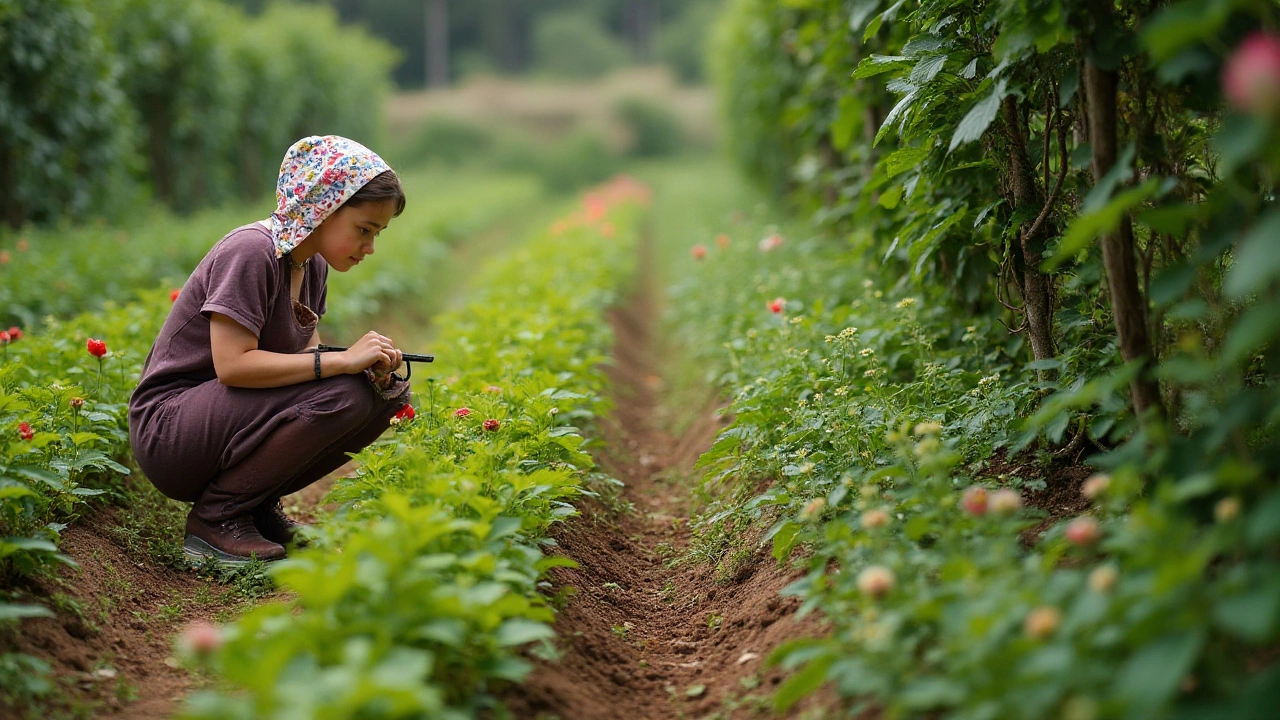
[
  {"x": 561, "y": 38},
  {"x": 103, "y": 102}
]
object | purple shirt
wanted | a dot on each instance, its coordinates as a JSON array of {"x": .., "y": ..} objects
[{"x": 242, "y": 278}]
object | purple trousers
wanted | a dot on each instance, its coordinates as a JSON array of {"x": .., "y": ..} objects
[{"x": 229, "y": 450}]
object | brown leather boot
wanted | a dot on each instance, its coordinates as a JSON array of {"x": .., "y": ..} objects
[
  {"x": 231, "y": 542},
  {"x": 275, "y": 525}
]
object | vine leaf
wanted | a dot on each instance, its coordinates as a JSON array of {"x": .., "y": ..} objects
[{"x": 980, "y": 117}]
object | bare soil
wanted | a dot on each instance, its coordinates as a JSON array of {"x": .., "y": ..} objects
[{"x": 643, "y": 637}]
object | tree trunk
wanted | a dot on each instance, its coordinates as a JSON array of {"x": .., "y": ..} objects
[
  {"x": 437, "y": 43},
  {"x": 641, "y": 19},
  {"x": 13, "y": 213},
  {"x": 1118, "y": 254},
  {"x": 1028, "y": 251}
]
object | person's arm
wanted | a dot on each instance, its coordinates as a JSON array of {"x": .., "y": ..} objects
[{"x": 239, "y": 363}]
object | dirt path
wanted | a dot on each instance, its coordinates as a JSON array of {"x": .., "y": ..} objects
[{"x": 640, "y": 639}]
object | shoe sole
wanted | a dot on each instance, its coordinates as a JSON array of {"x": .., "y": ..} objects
[{"x": 197, "y": 551}]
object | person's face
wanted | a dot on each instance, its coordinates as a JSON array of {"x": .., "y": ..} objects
[{"x": 346, "y": 237}]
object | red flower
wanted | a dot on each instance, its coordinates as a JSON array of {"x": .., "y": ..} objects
[
  {"x": 15, "y": 333},
  {"x": 491, "y": 424},
  {"x": 462, "y": 412},
  {"x": 97, "y": 348},
  {"x": 1251, "y": 77},
  {"x": 4, "y": 337},
  {"x": 722, "y": 241},
  {"x": 777, "y": 305},
  {"x": 698, "y": 252},
  {"x": 405, "y": 413},
  {"x": 173, "y": 295},
  {"x": 770, "y": 242},
  {"x": 24, "y": 429}
]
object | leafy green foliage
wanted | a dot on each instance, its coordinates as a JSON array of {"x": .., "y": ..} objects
[{"x": 418, "y": 596}]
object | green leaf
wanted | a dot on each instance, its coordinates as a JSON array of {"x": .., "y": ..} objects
[
  {"x": 12, "y": 611},
  {"x": 1264, "y": 521},
  {"x": 1088, "y": 226},
  {"x": 1257, "y": 262},
  {"x": 785, "y": 539},
  {"x": 518, "y": 631},
  {"x": 802, "y": 683},
  {"x": 1120, "y": 173},
  {"x": 979, "y": 117},
  {"x": 879, "y": 64},
  {"x": 927, "y": 69},
  {"x": 1252, "y": 615},
  {"x": 1183, "y": 24},
  {"x": 903, "y": 159},
  {"x": 1151, "y": 676}
]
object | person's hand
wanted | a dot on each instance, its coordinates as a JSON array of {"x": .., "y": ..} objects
[{"x": 373, "y": 352}]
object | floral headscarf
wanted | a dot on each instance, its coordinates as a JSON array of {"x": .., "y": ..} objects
[{"x": 318, "y": 175}]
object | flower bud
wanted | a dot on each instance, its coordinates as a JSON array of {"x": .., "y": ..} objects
[
  {"x": 491, "y": 424},
  {"x": 200, "y": 638},
  {"x": 76, "y": 402},
  {"x": 1103, "y": 578},
  {"x": 1083, "y": 531},
  {"x": 1004, "y": 501},
  {"x": 974, "y": 501},
  {"x": 1042, "y": 622},
  {"x": 1251, "y": 76},
  {"x": 813, "y": 509},
  {"x": 875, "y": 581},
  {"x": 1095, "y": 486},
  {"x": 875, "y": 519},
  {"x": 1226, "y": 510},
  {"x": 698, "y": 252}
]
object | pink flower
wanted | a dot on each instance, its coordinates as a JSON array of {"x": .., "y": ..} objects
[
  {"x": 1251, "y": 77},
  {"x": 722, "y": 241},
  {"x": 97, "y": 348},
  {"x": 200, "y": 638},
  {"x": 1095, "y": 486},
  {"x": 875, "y": 519},
  {"x": 24, "y": 431},
  {"x": 777, "y": 305},
  {"x": 974, "y": 501},
  {"x": 770, "y": 242},
  {"x": 1083, "y": 531},
  {"x": 876, "y": 581},
  {"x": 698, "y": 252},
  {"x": 15, "y": 333},
  {"x": 1004, "y": 501},
  {"x": 491, "y": 424},
  {"x": 462, "y": 412}
]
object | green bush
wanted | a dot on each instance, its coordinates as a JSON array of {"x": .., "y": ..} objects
[
  {"x": 575, "y": 45},
  {"x": 655, "y": 129},
  {"x": 446, "y": 140},
  {"x": 68, "y": 131},
  {"x": 578, "y": 159},
  {"x": 682, "y": 43}
]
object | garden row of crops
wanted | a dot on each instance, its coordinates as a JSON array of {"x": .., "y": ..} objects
[
  {"x": 65, "y": 380},
  {"x": 420, "y": 593},
  {"x": 943, "y": 340}
]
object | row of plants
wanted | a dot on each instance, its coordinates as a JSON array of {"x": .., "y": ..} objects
[
  {"x": 195, "y": 101},
  {"x": 65, "y": 382},
  {"x": 421, "y": 593},
  {"x": 1020, "y": 134},
  {"x": 62, "y": 272},
  {"x": 906, "y": 445}
]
